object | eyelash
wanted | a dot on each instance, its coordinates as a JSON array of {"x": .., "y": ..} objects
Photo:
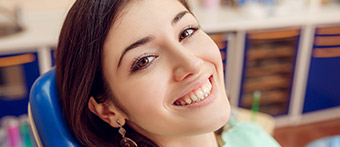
[
  {"x": 192, "y": 28},
  {"x": 135, "y": 65}
]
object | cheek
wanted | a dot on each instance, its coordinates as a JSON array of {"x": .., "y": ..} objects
[
  {"x": 145, "y": 102},
  {"x": 140, "y": 96},
  {"x": 208, "y": 50}
]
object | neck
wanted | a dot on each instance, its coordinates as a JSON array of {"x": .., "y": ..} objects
[{"x": 208, "y": 139}]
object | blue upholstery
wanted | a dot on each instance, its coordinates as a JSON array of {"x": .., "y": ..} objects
[{"x": 47, "y": 115}]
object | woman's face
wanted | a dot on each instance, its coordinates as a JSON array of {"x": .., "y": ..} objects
[{"x": 164, "y": 71}]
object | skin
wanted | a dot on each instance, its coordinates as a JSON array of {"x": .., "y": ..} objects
[{"x": 176, "y": 66}]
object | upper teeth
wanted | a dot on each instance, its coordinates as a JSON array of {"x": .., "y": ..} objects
[{"x": 196, "y": 95}]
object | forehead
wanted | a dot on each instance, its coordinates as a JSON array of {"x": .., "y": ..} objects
[
  {"x": 148, "y": 11},
  {"x": 139, "y": 19}
]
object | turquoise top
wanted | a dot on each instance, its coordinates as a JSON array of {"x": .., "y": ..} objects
[
  {"x": 333, "y": 141},
  {"x": 247, "y": 134}
]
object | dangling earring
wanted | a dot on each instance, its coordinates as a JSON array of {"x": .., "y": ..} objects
[{"x": 125, "y": 142}]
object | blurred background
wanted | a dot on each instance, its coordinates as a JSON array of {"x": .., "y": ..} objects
[{"x": 281, "y": 58}]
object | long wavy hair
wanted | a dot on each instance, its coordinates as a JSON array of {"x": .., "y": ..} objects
[{"x": 79, "y": 71}]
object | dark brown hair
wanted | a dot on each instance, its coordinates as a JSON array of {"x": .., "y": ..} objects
[{"x": 79, "y": 71}]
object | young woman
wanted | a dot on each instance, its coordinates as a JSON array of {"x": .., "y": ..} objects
[{"x": 140, "y": 65}]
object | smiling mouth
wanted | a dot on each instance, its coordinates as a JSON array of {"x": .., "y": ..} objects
[{"x": 195, "y": 96}]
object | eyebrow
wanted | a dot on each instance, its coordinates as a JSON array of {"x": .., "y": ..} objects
[
  {"x": 134, "y": 45},
  {"x": 178, "y": 17},
  {"x": 147, "y": 39}
]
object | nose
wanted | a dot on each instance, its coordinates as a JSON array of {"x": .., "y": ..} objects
[{"x": 186, "y": 64}]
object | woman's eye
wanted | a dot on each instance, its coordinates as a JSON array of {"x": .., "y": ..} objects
[
  {"x": 142, "y": 62},
  {"x": 187, "y": 33}
]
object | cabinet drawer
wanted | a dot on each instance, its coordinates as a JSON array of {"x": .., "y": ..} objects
[
  {"x": 269, "y": 68},
  {"x": 17, "y": 74},
  {"x": 328, "y": 30},
  {"x": 326, "y": 52},
  {"x": 327, "y": 41}
]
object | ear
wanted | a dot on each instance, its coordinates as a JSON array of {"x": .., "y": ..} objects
[{"x": 107, "y": 112}]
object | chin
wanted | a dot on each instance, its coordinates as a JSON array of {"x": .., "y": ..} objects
[
  {"x": 219, "y": 120},
  {"x": 223, "y": 111},
  {"x": 223, "y": 120}
]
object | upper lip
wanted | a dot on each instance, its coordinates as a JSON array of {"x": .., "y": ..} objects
[{"x": 192, "y": 85}]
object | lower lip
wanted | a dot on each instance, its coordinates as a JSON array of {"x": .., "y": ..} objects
[{"x": 205, "y": 101}]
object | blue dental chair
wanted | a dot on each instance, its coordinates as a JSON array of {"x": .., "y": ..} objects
[{"x": 47, "y": 121}]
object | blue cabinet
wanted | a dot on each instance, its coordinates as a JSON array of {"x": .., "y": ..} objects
[
  {"x": 53, "y": 55},
  {"x": 323, "y": 86},
  {"x": 17, "y": 74}
]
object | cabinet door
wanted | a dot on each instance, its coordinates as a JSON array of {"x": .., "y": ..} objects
[
  {"x": 323, "y": 86},
  {"x": 17, "y": 74},
  {"x": 269, "y": 61}
]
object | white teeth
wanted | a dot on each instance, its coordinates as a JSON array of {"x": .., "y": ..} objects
[
  {"x": 205, "y": 89},
  {"x": 187, "y": 100},
  {"x": 197, "y": 95},
  {"x": 209, "y": 85},
  {"x": 183, "y": 103},
  {"x": 193, "y": 97}
]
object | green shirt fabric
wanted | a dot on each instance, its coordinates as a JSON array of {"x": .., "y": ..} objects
[{"x": 247, "y": 134}]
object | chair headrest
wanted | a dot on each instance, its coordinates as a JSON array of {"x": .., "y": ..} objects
[{"x": 47, "y": 114}]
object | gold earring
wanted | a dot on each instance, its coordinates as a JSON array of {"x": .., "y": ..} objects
[{"x": 125, "y": 142}]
